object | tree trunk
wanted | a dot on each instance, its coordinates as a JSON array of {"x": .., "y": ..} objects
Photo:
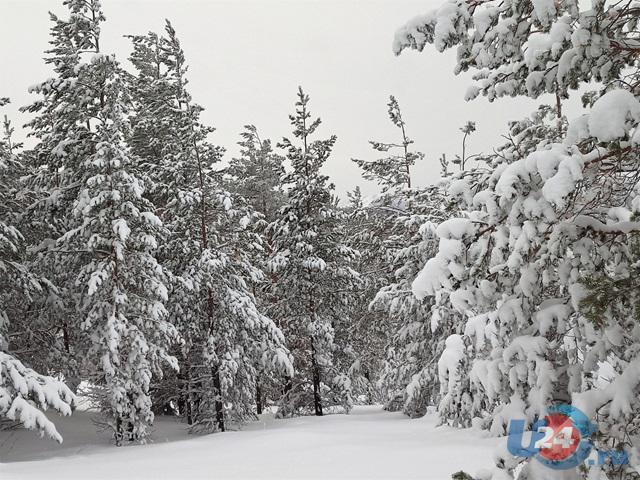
[
  {"x": 218, "y": 401},
  {"x": 317, "y": 399},
  {"x": 258, "y": 397}
]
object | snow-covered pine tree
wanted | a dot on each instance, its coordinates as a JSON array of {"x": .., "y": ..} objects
[
  {"x": 113, "y": 280},
  {"x": 371, "y": 230},
  {"x": 256, "y": 173},
  {"x": 124, "y": 286},
  {"x": 368, "y": 331},
  {"x": 61, "y": 126},
  {"x": 393, "y": 170},
  {"x": 256, "y": 176},
  {"x": 312, "y": 272},
  {"x": 408, "y": 374},
  {"x": 24, "y": 393},
  {"x": 394, "y": 232},
  {"x": 209, "y": 247},
  {"x": 542, "y": 220}
]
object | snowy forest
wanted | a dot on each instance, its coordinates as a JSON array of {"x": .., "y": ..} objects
[{"x": 145, "y": 274}]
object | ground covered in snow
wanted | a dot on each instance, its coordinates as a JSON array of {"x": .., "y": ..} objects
[{"x": 368, "y": 443}]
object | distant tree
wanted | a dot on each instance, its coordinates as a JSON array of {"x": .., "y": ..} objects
[
  {"x": 394, "y": 170},
  {"x": 395, "y": 234},
  {"x": 368, "y": 329},
  {"x": 257, "y": 172}
]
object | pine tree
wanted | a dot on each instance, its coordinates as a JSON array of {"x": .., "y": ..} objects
[
  {"x": 123, "y": 304},
  {"x": 62, "y": 127},
  {"x": 370, "y": 228},
  {"x": 396, "y": 237},
  {"x": 407, "y": 377},
  {"x": 393, "y": 171},
  {"x": 550, "y": 210},
  {"x": 104, "y": 232},
  {"x": 255, "y": 175},
  {"x": 209, "y": 247},
  {"x": 24, "y": 393},
  {"x": 313, "y": 274}
]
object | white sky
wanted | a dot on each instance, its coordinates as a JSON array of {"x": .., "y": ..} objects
[{"x": 247, "y": 58}]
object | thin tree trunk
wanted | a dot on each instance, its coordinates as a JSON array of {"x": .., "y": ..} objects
[
  {"x": 559, "y": 112},
  {"x": 405, "y": 145},
  {"x": 317, "y": 399},
  {"x": 258, "y": 397},
  {"x": 188, "y": 401},
  {"x": 215, "y": 372}
]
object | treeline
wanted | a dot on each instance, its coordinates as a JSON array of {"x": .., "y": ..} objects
[{"x": 140, "y": 272}]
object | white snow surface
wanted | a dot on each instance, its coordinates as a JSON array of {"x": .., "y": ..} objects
[
  {"x": 613, "y": 115},
  {"x": 368, "y": 443}
]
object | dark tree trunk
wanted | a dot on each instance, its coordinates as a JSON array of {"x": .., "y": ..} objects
[
  {"x": 218, "y": 401},
  {"x": 189, "y": 398},
  {"x": 189, "y": 411},
  {"x": 317, "y": 399},
  {"x": 288, "y": 385},
  {"x": 258, "y": 398}
]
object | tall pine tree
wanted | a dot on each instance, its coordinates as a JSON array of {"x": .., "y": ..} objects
[
  {"x": 312, "y": 272},
  {"x": 104, "y": 233},
  {"x": 210, "y": 247},
  {"x": 24, "y": 393}
]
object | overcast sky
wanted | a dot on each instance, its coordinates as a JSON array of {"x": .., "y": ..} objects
[{"x": 247, "y": 58}]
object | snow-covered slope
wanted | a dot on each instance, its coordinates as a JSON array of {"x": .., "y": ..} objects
[{"x": 369, "y": 443}]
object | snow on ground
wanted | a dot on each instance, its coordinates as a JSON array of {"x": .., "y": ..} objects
[{"x": 369, "y": 443}]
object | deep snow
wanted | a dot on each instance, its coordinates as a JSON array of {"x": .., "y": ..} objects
[{"x": 368, "y": 443}]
